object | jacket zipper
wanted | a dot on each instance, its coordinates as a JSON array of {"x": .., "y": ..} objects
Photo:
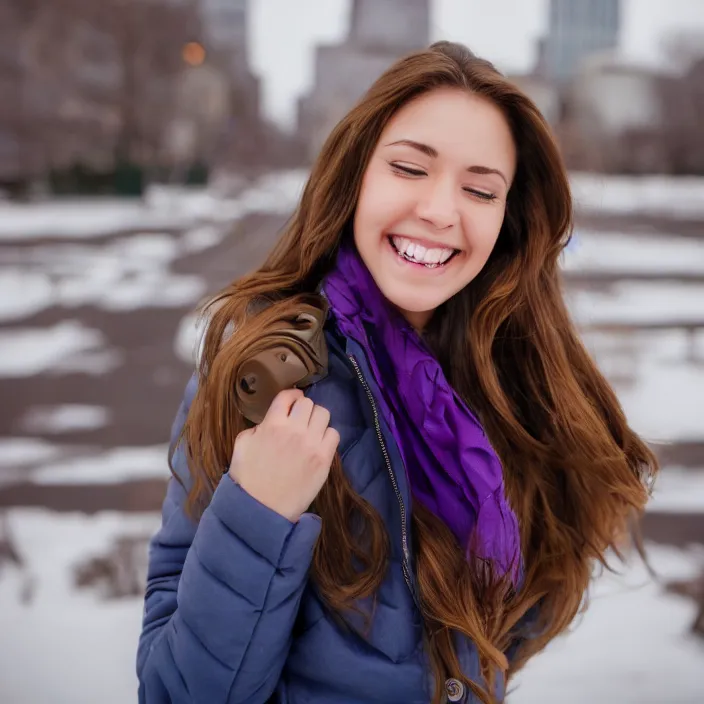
[{"x": 404, "y": 536}]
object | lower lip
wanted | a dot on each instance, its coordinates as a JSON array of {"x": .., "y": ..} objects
[{"x": 415, "y": 265}]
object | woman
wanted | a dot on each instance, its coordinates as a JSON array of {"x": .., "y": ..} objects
[{"x": 426, "y": 517}]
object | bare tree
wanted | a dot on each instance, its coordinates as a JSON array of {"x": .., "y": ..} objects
[
  {"x": 147, "y": 39},
  {"x": 85, "y": 81}
]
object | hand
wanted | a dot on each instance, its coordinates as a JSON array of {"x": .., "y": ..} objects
[{"x": 284, "y": 462}]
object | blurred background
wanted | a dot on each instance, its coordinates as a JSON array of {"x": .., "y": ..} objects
[{"x": 150, "y": 151}]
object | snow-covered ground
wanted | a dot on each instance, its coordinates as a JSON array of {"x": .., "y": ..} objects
[
  {"x": 648, "y": 195},
  {"x": 631, "y": 646},
  {"x": 161, "y": 208},
  {"x": 600, "y": 251},
  {"x": 659, "y": 378},
  {"x": 67, "y": 346},
  {"x": 118, "y": 257},
  {"x": 59, "y": 644}
]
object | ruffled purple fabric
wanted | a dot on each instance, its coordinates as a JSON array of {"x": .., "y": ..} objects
[{"x": 452, "y": 468}]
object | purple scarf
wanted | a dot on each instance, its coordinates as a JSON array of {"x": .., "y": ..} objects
[{"x": 451, "y": 467}]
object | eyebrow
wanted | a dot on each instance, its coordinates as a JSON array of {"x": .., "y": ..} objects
[{"x": 433, "y": 154}]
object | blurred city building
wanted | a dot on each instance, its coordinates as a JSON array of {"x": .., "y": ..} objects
[
  {"x": 613, "y": 117},
  {"x": 576, "y": 31},
  {"x": 103, "y": 96},
  {"x": 226, "y": 41},
  {"x": 610, "y": 114},
  {"x": 88, "y": 86},
  {"x": 88, "y": 89},
  {"x": 343, "y": 72}
]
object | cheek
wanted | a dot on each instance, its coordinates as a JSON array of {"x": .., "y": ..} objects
[
  {"x": 484, "y": 228},
  {"x": 383, "y": 201}
]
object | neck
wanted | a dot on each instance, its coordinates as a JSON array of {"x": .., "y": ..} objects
[{"x": 418, "y": 319}]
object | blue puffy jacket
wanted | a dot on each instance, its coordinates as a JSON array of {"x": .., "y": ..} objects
[{"x": 230, "y": 616}]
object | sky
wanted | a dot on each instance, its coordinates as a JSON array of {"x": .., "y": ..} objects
[{"x": 284, "y": 34}]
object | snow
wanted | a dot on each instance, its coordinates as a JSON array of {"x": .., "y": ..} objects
[
  {"x": 24, "y": 293},
  {"x": 659, "y": 375},
  {"x": 665, "y": 404},
  {"x": 68, "y": 345},
  {"x": 128, "y": 273},
  {"x": 116, "y": 465},
  {"x": 82, "y": 647},
  {"x": 658, "y": 378},
  {"x": 678, "y": 197},
  {"x": 631, "y": 646},
  {"x": 25, "y": 451},
  {"x": 617, "y": 252},
  {"x": 132, "y": 270},
  {"x": 80, "y": 218},
  {"x": 678, "y": 490},
  {"x": 201, "y": 238},
  {"x": 65, "y": 418},
  {"x": 276, "y": 192},
  {"x": 36, "y": 460},
  {"x": 631, "y": 302},
  {"x": 162, "y": 208},
  {"x": 18, "y": 455}
]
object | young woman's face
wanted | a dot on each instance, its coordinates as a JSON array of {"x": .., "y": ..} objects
[{"x": 433, "y": 199}]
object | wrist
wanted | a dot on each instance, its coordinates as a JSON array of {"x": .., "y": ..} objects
[{"x": 267, "y": 502}]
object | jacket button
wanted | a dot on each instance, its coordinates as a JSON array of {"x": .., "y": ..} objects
[{"x": 454, "y": 689}]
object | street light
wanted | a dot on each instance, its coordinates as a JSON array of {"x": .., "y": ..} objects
[{"x": 193, "y": 54}]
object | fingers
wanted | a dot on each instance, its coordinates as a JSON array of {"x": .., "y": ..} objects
[
  {"x": 319, "y": 421},
  {"x": 301, "y": 412},
  {"x": 331, "y": 439},
  {"x": 282, "y": 404},
  {"x": 292, "y": 405}
]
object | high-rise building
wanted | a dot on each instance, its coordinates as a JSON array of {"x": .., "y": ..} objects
[
  {"x": 380, "y": 32},
  {"x": 578, "y": 29},
  {"x": 225, "y": 30},
  {"x": 389, "y": 24},
  {"x": 224, "y": 25}
]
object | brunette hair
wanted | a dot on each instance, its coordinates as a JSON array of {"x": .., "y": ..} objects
[{"x": 576, "y": 474}]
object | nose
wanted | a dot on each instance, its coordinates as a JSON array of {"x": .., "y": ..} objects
[{"x": 437, "y": 204}]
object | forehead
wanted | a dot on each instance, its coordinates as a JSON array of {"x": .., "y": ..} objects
[{"x": 457, "y": 124}]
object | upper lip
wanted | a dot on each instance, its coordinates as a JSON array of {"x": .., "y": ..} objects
[{"x": 428, "y": 244}]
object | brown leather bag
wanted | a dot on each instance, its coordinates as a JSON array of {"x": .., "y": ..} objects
[{"x": 295, "y": 355}]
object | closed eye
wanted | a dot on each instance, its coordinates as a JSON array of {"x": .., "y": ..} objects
[
  {"x": 407, "y": 170},
  {"x": 482, "y": 195}
]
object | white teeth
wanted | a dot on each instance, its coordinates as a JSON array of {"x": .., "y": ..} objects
[
  {"x": 432, "y": 256},
  {"x": 416, "y": 252}
]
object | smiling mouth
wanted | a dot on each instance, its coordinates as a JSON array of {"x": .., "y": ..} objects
[{"x": 422, "y": 256}]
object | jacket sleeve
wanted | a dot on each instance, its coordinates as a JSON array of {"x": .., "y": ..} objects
[{"x": 222, "y": 595}]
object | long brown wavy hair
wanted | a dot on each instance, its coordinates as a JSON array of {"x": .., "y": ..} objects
[{"x": 577, "y": 476}]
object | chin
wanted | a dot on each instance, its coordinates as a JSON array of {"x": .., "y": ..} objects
[{"x": 412, "y": 303}]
